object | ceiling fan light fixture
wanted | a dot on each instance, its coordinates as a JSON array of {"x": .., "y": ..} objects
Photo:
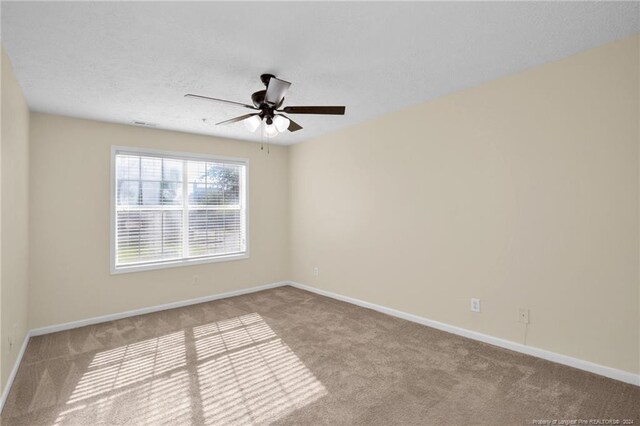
[
  {"x": 281, "y": 123},
  {"x": 252, "y": 123},
  {"x": 270, "y": 130}
]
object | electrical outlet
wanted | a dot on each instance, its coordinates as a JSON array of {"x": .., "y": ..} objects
[
  {"x": 316, "y": 271},
  {"x": 523, "y": 315},
  {"x": 475, "y": 305}
]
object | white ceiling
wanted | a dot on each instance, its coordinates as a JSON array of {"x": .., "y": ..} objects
[{"x": 125, "y": 61}]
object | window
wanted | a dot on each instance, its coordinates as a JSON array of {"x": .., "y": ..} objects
[{"x": 171, "y": 209}]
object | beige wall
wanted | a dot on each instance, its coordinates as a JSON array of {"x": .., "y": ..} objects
[
  {"x": 70, "y": 186},
  {"x": 14, "y": 186},
  {"x": 522, "y": 192}
]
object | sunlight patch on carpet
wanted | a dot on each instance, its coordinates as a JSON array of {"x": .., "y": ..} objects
[{"x": 235, "y": 371}]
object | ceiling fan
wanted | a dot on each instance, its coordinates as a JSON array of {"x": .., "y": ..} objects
[{"x": 268, "y": 106}]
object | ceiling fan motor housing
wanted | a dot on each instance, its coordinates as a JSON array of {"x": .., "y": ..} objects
[
  {"x": 258, "y": 98},
  {"x": 266, "y": 111}
]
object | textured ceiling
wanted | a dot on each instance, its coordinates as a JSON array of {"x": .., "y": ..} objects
[{"x": 129, "y": 61}]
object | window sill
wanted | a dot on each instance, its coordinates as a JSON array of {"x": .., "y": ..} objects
[{"x": 176, "y": 264}]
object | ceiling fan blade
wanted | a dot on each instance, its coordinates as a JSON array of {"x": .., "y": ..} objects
[
  {"x": 325, "y": 110},
  {"x": 276, "y": 90},
  {"x": 206, "y": 98},
  {"x": 293, "y": 126},
  {"x": 235, "y": 120}
]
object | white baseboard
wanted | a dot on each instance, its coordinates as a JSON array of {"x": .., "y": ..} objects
[
  {"x": 612, "y": 373},
  {"x": 14, "y": 371},
  {"x": 120, "y": 315},
  {"x": 111, "y": 317}
]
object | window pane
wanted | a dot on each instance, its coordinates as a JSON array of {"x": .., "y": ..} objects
[
  {"x": 232, "y": 195},
  {"x": 172, "y": 170},
  {"x": 151, "y": 168},
  {"x": 196, "y": 171},
  {"x": 197, "y": 181},
  {"x": 127, "y": 167},
  {"x": 213, "y": 195},
  {"x": 150, "y": 235},
  {"x": 198, "y": 233},
  {"x": 128, "y": 192},
  {"x": 128, "y": 235},
  {"x": 214, "y": 232},
  {"x": 213, "y": 184},
  {"x": 150, "y": 193},
  {"x": 232, "y": 235},
  {"x": 172, "y": 234},
  {"x": 144, "y": 236},
  {"x": 222, "y": 179},
  {"x": 171, "y": 193}
]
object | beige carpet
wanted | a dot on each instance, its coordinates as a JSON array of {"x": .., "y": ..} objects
[{"x": 287, "y": 356}]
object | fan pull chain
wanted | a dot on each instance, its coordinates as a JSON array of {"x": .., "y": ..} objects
[{"x": 262, "y": 136}]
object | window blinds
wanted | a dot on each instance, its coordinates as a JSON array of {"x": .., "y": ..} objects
[{"x": 170, "y": 209}]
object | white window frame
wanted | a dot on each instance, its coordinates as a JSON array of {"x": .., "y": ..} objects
[{"x": 244, "y": 200}]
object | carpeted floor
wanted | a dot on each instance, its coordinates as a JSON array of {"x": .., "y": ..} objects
[{"x": 287, "y": 356}]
